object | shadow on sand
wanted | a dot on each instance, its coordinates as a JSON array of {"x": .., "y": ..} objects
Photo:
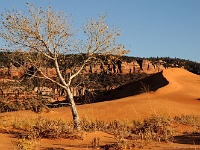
[
  {"x": 150, "y": 83},
  {"x": 192, "y": 139}
]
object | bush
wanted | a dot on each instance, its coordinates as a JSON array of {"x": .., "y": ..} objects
[
  {"x": 26, "y": 104},
  {"x": 155, "y": 128},
  {"x": 43, "y": 128}
]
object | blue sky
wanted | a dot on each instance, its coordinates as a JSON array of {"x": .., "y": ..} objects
[{"x": 150, "y": 28}]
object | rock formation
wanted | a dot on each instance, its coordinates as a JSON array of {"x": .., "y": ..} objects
[{"x": 136, "y": 66}]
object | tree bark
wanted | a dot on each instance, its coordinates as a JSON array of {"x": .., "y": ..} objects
[
  {"x": 69, "y": 96},
  {"x": 75, "y": 115}
]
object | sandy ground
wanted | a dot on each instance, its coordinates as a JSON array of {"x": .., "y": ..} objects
[{"x": 180, "y": 96}]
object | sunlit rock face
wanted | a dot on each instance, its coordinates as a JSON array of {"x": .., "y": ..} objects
[{"x": 136, "y": 66}]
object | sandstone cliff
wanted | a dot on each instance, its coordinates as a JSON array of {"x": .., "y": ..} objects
[{"x": 136, "y": 66}]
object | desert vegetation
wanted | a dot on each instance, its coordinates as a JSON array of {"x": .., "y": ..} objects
[{"x": 127, "y": 135}]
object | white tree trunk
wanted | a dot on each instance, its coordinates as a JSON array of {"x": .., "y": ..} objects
[{"x": 75, "y": 115}]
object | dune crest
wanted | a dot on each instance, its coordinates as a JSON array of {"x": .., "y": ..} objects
[{"x": 181, "y": 81}]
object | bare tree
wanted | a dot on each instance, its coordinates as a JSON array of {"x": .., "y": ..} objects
[{"x": 47, "y": 35}]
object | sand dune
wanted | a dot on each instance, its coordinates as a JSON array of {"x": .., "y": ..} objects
[
  {"x": 151, "y": 83},
  {"x": 170, "y": 80},
  {"x": 182, "y": 82},
  {"x": 174, "y": 91}
]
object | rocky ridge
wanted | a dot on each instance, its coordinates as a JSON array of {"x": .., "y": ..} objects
[{"x": 122, "y": 67}]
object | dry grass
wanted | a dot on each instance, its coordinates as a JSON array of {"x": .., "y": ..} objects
[
  {"x": 189, "y": 120},
  {"x": 42, "y": 128},
  {"x": 157, "y": 128},
  {"x": 151, "y": 129}
]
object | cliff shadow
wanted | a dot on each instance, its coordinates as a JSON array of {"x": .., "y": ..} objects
[{"x": 148, "y": 84}]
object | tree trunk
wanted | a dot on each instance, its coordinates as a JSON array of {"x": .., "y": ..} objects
[{"x": 75, "y": 115}]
